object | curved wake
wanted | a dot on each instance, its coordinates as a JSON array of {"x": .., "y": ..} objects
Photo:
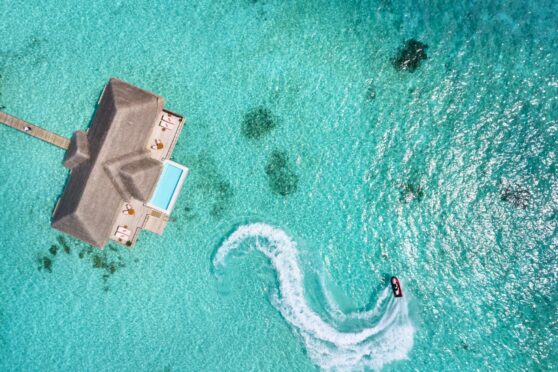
[{"x": 389, "y": 336}]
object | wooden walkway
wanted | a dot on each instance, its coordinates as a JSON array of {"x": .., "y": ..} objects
[{"x": 34, "y": 131}]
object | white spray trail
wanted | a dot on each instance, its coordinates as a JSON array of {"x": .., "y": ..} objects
[{"x": 389, "y": 339}]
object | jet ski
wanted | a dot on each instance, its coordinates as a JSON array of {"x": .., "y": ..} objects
[{"x": 396, "y": 287}]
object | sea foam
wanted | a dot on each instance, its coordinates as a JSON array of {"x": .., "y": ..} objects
[{"x": 387, "y": 337}]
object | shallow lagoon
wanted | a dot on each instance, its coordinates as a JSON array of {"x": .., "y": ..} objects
[{"x": 445, "y": 176}]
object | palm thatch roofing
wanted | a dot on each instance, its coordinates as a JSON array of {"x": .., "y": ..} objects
[{"x": 110, "y": 163}]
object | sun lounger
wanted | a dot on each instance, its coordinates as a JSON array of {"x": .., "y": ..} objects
[
  {"x": 121, "y": 237},
  {"x": 123, "y": 230},
  {"x": 158, "y": 145},
  {"x": 175, "y": 120},
  {"x": 166, "y": 125}
]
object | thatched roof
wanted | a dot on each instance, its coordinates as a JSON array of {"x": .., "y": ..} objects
[{"x": 109, "y": 165}]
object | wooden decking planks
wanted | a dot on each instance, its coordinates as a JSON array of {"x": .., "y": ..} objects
[{"x": 34, "y": 131}]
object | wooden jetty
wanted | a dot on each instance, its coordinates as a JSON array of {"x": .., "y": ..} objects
[{"x": 34, "y": 131}]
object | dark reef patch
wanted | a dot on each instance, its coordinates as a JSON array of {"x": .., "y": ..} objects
[
  {"x": 189, "y": 213},
  {"x": 97, "y": 261},
  {"x": 410, "y": 57},
  {"x": 258, "y": 122},
  {"x": 34, "y": 51},
  {"x": 45, "y": 263},
  {"x": 87, "y": 250},
  {"x": 409, "y": 192},
  {"x": 281, "y": 177},
  {"x": 370, "y": 93},
  {"x": 108, "y": 260},
  {"x": 53, "y": 249},
  {"x": 65, "y": 246},
  {"x": 517, "y": 195}
]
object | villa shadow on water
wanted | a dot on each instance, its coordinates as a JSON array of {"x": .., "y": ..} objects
[{"x": 213, "y": 184}]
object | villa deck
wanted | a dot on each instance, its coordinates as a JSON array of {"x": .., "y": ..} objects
[
  {"x": 165, "y": 132},
  {"x": 135, "y": 215}
]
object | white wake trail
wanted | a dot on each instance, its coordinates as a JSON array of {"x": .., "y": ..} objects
[{"x": 389, "y": 339}]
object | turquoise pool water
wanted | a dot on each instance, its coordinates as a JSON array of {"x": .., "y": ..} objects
[
  {"x": 317, "y": 170},
  {"x": 166, "y": 187}
]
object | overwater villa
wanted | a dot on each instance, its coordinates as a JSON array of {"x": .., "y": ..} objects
[{"x": 121, "y": 177}]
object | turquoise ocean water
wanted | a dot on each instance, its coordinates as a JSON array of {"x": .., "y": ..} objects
[{"x": 282, "y": 239}]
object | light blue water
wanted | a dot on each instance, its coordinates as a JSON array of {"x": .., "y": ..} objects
[
  {"x": 166, "y": 186},
  {"x": 445, "y": 177}
]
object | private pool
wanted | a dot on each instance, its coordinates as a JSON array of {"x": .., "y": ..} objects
[{"x": 168, "y": 187}]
